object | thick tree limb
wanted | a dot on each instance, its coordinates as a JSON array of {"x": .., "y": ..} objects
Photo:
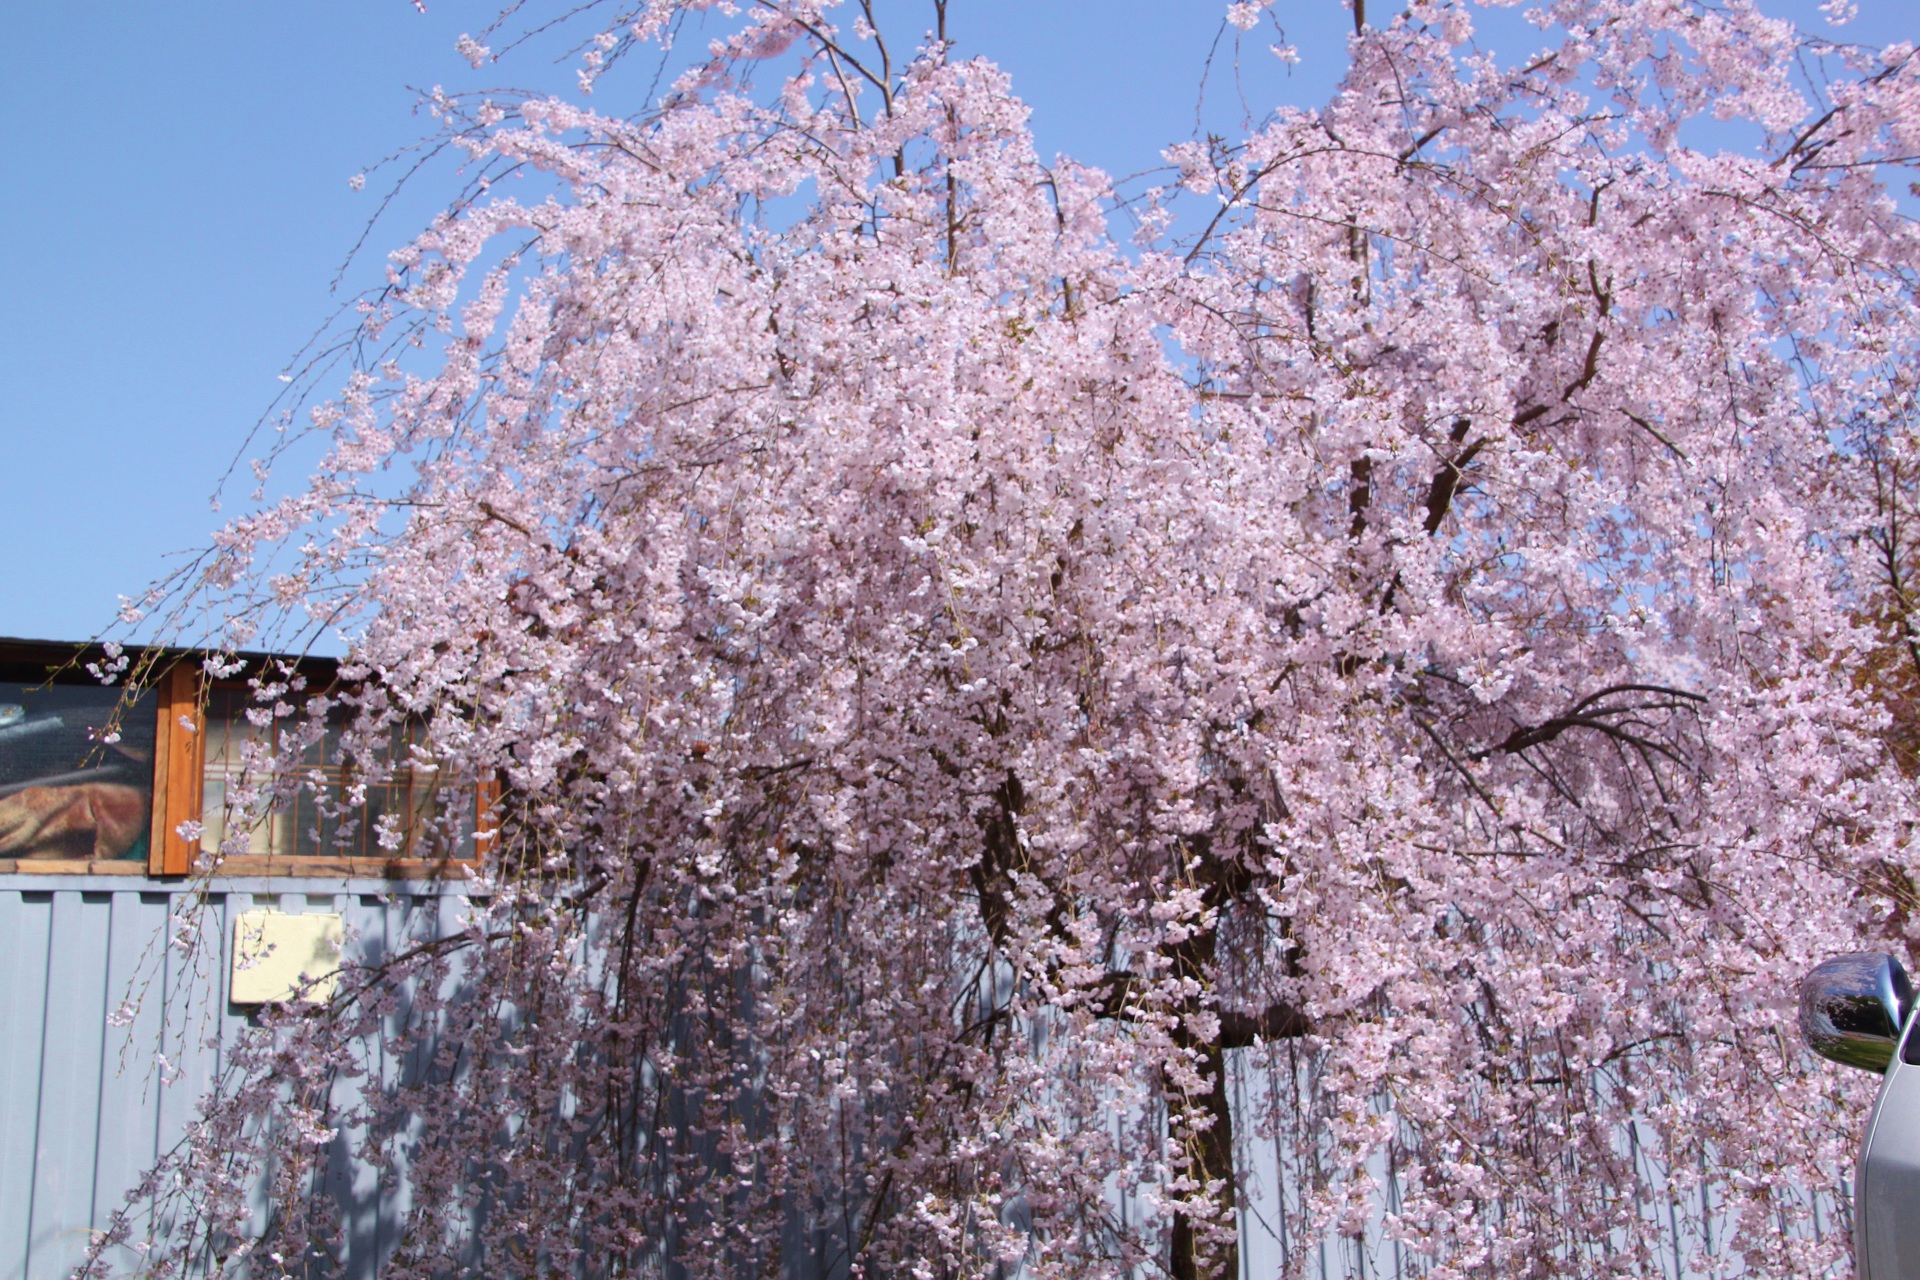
[
  {"x": 1592, "y": 712},
  {"x": 1446, "y": 481}
]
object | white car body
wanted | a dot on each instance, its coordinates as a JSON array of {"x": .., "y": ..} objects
[
  {"x": 1858, "y": 1010},
  {"x": 1886, "y": 1195}
]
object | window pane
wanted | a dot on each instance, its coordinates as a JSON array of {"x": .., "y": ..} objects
[
  {"x": 316, "y": 819},
  {"x": 65, "y": 790}
]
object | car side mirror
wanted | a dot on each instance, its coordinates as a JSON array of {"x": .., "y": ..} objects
[{"x": 1852, "y": 1008}]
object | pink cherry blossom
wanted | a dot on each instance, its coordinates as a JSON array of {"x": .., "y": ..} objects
[{"x": 963, "y": 686}]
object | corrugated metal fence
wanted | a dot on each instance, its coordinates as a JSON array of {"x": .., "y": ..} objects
[
  {"x": 91, "y": 1092},
  {"x": 109, "y": 1037}
]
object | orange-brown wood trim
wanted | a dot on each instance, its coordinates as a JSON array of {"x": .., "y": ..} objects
[
  {"x": 162, "y": 753},
  {"x": 180, "y": 755},
  {"x": 277, "y": 868},
  {"x": 486, "y": 815},
  {"x": 348, "y": 868},
  {"x": 71, "y": 867}
]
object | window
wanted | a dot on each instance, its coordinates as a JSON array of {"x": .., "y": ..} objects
[
  {"x": 385, "y": 823},
  {"x": 76, "y": 773},
  {"x": 399, "y": 803},
  {"x": 95, "y": 782}
]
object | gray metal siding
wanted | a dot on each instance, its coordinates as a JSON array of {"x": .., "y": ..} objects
[{"x": 85, "y": 1107}]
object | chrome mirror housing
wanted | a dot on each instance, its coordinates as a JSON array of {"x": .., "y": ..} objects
[{"x": 1852, "y": 1008}]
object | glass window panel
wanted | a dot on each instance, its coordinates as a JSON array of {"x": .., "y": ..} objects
[
  {"x": 305, "y": 827},
  {"x": 66, "y": 791}
]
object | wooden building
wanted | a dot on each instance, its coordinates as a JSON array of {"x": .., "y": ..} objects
[{"x": 109, "y": 1035}]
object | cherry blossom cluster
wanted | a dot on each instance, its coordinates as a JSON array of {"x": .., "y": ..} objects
[{"x": 963, "y": 685}]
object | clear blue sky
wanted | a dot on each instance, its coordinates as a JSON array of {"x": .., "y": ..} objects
[{"x": 177, "y": 205}]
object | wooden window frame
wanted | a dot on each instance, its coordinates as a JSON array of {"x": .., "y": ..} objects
[
  {"x": 179, "y": 752},
  {"x": 179, "y": 796}
]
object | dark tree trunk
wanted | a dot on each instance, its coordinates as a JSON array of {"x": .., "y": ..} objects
[
  {"x": 1210, "y": 1156},
  {"x": 1197, "y": 1250}
]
